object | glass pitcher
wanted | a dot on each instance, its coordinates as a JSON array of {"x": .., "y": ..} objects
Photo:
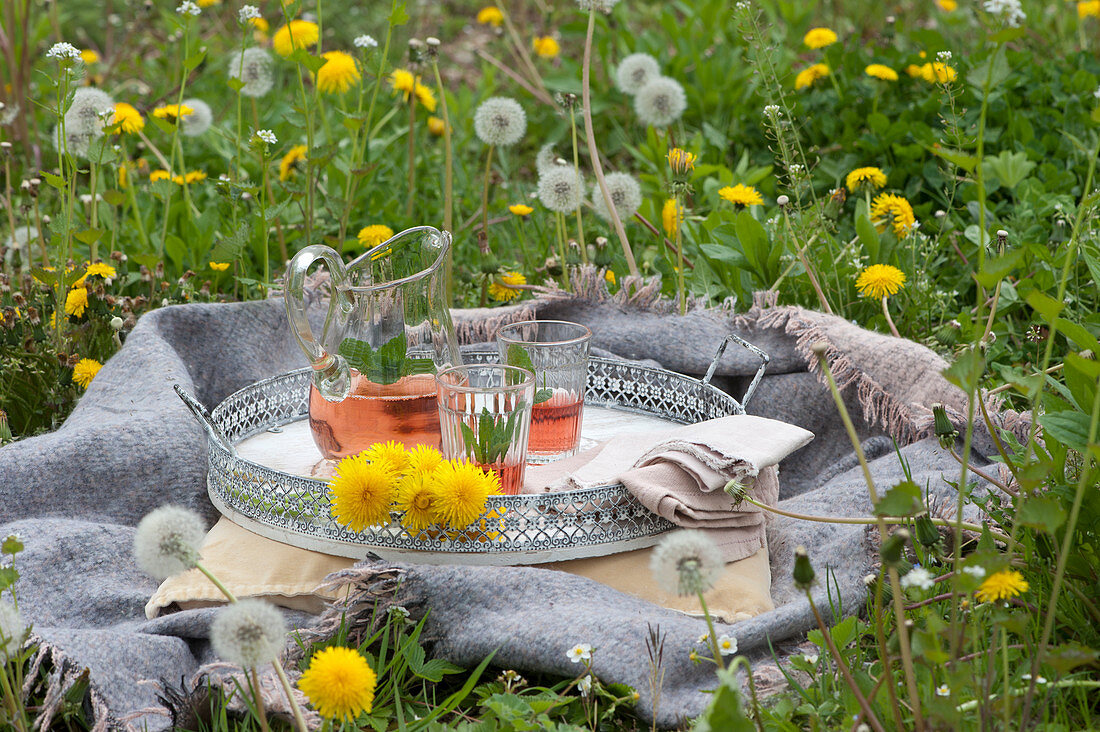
[{"x": 387, "y": 331}]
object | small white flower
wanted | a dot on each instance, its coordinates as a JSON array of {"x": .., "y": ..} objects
[
  {"x": 63, "y": 51},
  {"x": 579, "y": 652},
  {"x": 604, "y": 6},
  {"x": 943, "y": 690},
  {"x": 267, "y": 136},
  {"x": 400, "y": 611},
  {"x": 189, "y": 8},
  {"x": 810, "y": 658},
  {"x": 248, "y": 12},
  {"x": 704, "y": 638},
  {"x": 1026, "y": 677},
  {"x": 975, "y": 571},
  {"x": 1009, "y": 10},
  {"x": 943, "y": 56},
  {"x": 1040, "y": 679},
  {"x": 727, "y": 645},
  {"x": 585, "y": 685},
  {"x": 918, "y": 577},
  {"x": 773, "y": 111},
  {"x": 365, "y": 41},
  {"x": 742, "y": 5}
]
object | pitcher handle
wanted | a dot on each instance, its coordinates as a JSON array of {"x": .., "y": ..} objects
[{"x": 331, "y": 374}]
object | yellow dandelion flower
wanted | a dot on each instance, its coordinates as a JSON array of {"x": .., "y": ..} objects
[
  {"x": 947, "y": 6},
  {"x": 161, "y": 174},
  {"x": 339, "y": 683},
  {"x": 503, "y": 289},
  {"x": 172, "y": 112},
  {"x": 880, "y": 71},
  {"x": 672, "y": 215},
  {"x": 893, "y": 210},
  {"x": 424, "y": 459},
  {"x": 436, "y": 126},
  {"x": 819, "y": 38},
  {"x": 100, "y": 269},
  {"x": 938, "y": 72},
  {"x": 490, "y": 15},
  {"x": 1090, "y": 7},
  {"x": 741, "y": 195},
  {"x": 807, "y": 77},
  {"x": 879, "y": 281},
  {"x": 1003, "y": 585},
  {"x": 85, "y": 370},
  {"x": 219, "y": 266},
  {"x": 417, "y": 500},
  {"x": 914, "y": 70},
  {"x": 76, "y": 302},
  {"x": 520, "y": 209},
  {"x": 390, "y": 455},
  {"x": 207, "y": 3},
  {"x": 339, "y": 73},
  {"x": 89, "y": 57},
  {"x": 288, "y": 166},
  {"x": 296, "y": 34},
  {"x": 546, "y": 46},
  {"x": 128, "y": 119},
  {"x": 361, "y": 493},
  {"x": 403, "y": 81},
  {"x": 680, "y": 161},
  {"x": 870, "y": 177},
  {"x": 609, "y": 277},
  {"x": 124, "y": 176},
  {"x": 425, "y": 96},
  {"x": 462, "y": 490},
  {"x": 261, "y": 25},
  {"x": 375, "y": 234},
  {"x": 194, "y": 176}
]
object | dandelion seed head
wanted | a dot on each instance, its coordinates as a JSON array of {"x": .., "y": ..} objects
[
  {"x": 248, "y": 633},
  {"x": 77, "y": 143},
  {"x": 686, "y": 563},
  {"x": 635, "y": 71},
  {"x": 20, "y": 236},
  {"x": 625, "y": 193},
  {"x": 500, "y": 121},
  {"x": 167, "y": 541},
  {"x": 200, "y": 119},
  {"x": 660, "y": 102},
  {"x": 89, "y": 110},
  {"x": 255, "y": 67},
  {"x": 546, "y": 159},
  {"x": 560, "y": 188}
]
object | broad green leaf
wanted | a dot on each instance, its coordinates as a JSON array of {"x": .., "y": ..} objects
[
  {"x": 868, "y": 236},
  {"x": 54, "y": 180},
  {"x": 754, "y": 240},
  {"x": 1045, "y": 305},
  {"x": 11, "y": 545},
  {"x": 89, "y": 236},
  {"x": 724, "y": 713},
  {"x": 358, "y": 354},
  {"x": 955, "y": 157},
  {"x": 996, "y": 268},
  {"x": 904, "y": 499},
  {"x": 1079, "y": 335},
  {"x": 1041, "y": 512},
  {"x": 1069, "y": 428},
  {"x": 191, "y": 62},
  {"x": 966, "y": 372}
]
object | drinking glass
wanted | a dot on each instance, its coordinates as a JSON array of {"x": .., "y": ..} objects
[
  {"x": 556, "y": 351},
  {"x": 485, "y": 418}
]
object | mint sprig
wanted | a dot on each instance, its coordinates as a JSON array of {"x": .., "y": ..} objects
[
  {"x": 494, "y": 435},
  {"x": 518, "y": 357},
  {"x": 386, "y": 365}
]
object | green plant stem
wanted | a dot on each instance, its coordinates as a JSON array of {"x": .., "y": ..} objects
[
  {"x": 93, "y": 179},
  {"x": 17, "y": 713},
  {"x": 886, "y": 314},
  {"x": 217, "y": 582},
  {"x": 593, "y": 152},
  {"x": 744, "y": 663},
  {"x": 264, "y": 228},
  {"x": 887, "y": 663},
  {"x": 559, "y": 217},
  {"x": 299, "y": 719},
  {"x": 895, "y": 584},
  {"x": 483, "y": 236},
  {"x": 410, "y": 198},
  {"x": 261, "y": 713},
  {"x": 718, "y": 659},
  {"x": 448, "y": 156},
  {"x": 864, "y": 705},
  {"x": 577, "y": 170},
  {"x": 679, "y": 217}
]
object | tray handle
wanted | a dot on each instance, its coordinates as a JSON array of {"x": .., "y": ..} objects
[
  {"x": 212, "y": 430},
  {"x": 764, "y": 359}
]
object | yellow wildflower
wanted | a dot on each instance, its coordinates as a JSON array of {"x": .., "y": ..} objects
[
  {"x": 339, "y": 683},
  {"x": 289, "y": 164},
  {"x": 520, "y": 209},
  {"x": 207, "y": 3},
  {"x": 294, "y": 35},
  {"x": 172, "y": 112},
  {"x": 128, "y": 119},
  {"x": 860, "y": 177},
  {"x": 85, "y": 370},
  {"x": 425, "y": 96},
  {"x": 124, "y": 175},
  {"x": 503, "y": 290},
  {"x": 403, "y": 81},
  {"x": 99, "y": 269},
  {"x": 609, "y": 277},
  {"x": 194, "y": 176},
  {"x": 361, "y": 493},
  {"x": 424, "y": 459},
  {"x": 89, "y": 57},
  {"x": 261, "y": 25},
  {"x": 808, "y": 76},
  {"x": 879, "y": 71},
  {"x": 546, "y": 46},
  {"x": 375, "y": 234},
  {"x": 219, "y": 266},
  {"x": 913, "y": 70},
  {"x": 672, "y": 215},
  {"x": 891, "y": 209},
  {"x": 416, "y": 499},
  {"x": 680, "y": 161},
  {"x": 741, "y": 195},
  {"x": 948, "y": 6},
  {"x": 462, "y": 491},
  {"x": 879, "y": 281},
  {"x": 1003, "y": 585},
  {"x": 1087, "y": 8},
  {"x": 339, "y": 73},
  {"x": 490, "y": 15},
  {"x": 819, "y": 38},
  {"x": 436, "y": 126},
  {"x": 390, "y": 455},
  {"x": 161, "y": 174},
  {"x": 937, "y": 72},
  {"x": 76, "y": 302}
]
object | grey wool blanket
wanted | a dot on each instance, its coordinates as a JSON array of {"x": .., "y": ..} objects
[{"x": 75, "y": 495}]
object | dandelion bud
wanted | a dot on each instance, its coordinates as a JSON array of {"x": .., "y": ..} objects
[
  {"x": 1088, "y": 355},
  {"x": 927, "y": 533},
  {"x": 116, "y": 323},
  {"x": 893, "y": 547},
  {"x": 945, "y": 431},
  {"x": 803, "y": 571},
  {"x": 940, "y": 213},
  {"x": 869, "y": 579},
  {"x": 783, "y": 200},
  {"x": 248, "y": 633},
  {"x": 819, "y": 348},
  {"x": 432, "y": 42},
  {"x": 5, "y": 148},
  {"x": 601, "y": 242}
]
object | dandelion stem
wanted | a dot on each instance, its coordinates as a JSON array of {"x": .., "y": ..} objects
[
  {"x": 889, "y": 320},
  {"x": 289, "y": 691},
  {"x": 261, "y": 713},
  {"x": 712, "y": 636},
  {"x": 577, "y": 170},
  {"x": 593, "y": 152},
  {"x": 410, "y": 199},
  {"x": 483, "y": 235},
  {"x": 448, "y": 153},
  {"x": 217, "y": 582}
]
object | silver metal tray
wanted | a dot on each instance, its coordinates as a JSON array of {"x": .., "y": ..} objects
[{"x": 522, "y": 529}]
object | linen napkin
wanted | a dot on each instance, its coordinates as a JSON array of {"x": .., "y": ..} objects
[{"x": 680, "y": 474}]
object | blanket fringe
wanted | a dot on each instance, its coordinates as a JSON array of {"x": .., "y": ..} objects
[{"x": 63, "y": 676}]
